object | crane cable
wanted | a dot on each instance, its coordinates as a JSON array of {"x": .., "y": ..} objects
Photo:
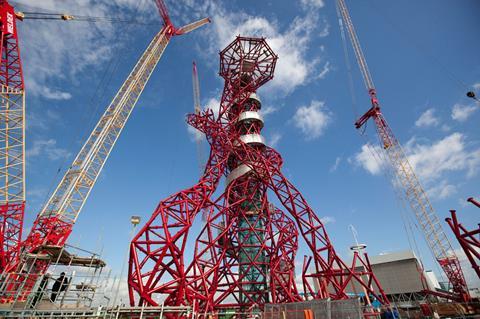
[
  {"x": 347, "y": 62},
  {"x": 378, "y": 157},
  {"x": 95, "y": 101},
  {"x": 420, "y": 48}
]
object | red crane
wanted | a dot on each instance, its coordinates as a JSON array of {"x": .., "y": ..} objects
[
  {"x": 412, "y": 190},
  {"x": 12, "y": 140}
]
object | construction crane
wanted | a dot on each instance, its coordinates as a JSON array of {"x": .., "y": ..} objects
[
  {"x": 29, "y": 15},
  {"x": 12, "y": 139},
  {"x": 197, "y": 109},
  {"x": 54, "y": 223},
  {"x": 198, "y": 135},
  {"x": 12, "y": 128},
  {"x": 413, "y": 191}
]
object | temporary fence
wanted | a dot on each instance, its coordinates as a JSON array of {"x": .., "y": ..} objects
[{"x": 316, "y": 309}]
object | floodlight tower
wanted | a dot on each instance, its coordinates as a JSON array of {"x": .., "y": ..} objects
[{"x": 244, "y": 255}]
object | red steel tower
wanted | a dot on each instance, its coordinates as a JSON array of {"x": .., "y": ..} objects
[{"x": 244, "y": 256}]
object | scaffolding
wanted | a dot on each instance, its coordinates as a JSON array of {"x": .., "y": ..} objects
[
  {"x": 77, "y": 284},
  {"x": 71, "y": 280}
]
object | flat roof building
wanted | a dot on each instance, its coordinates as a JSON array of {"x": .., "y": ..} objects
[{"x": 402, "y": 276}]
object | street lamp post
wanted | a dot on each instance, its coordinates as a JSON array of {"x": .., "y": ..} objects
[
  {"x": 357, "y": 249},
  {"x": 134, "y": 220}
]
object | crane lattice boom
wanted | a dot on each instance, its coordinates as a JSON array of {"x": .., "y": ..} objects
[
  {"x": 12, "y": 140},
  {"x": 197, "y": 110},
  {"x": 65, "y": 204},
  {"x": 413, "y": 193},
  {"x": 54, "y": 223}
]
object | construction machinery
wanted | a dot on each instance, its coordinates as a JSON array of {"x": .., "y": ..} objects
[
  {"x": 197, "y": 109},
  {"x": 413, "y": 191},
  {"x": 12, "y": 140},
  {"x": 54, "y": 223}
]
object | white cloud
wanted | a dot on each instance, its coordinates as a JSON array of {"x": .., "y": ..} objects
[
  {"x": 274, "y": 139},
  {"x": 213, "y": 104},
  {"x": 196, "y": 135},
  {"x": 47, "y": 147},
  {"x": 293, "y": 67},
  {"x": 427, "y": 119},
  {"x": 313, "y": 4},
  {"x": 327, "y": 220},
  {"x": 449, "y": 154},
  {"x": 430, "y": 161},
  {"x": 441, "y": 190},
  {"x": 267, "y": 110},
  {"x": 325, "y": 31},
  {"x": 40, "y": 120},
  {"x": 325, "y": 70},
  {"x": 462, "y": 112},
  {"x": 369, "y": 159},
  {"x": 48, "y": 93},
  {"x": 335, "y": 165},
  {"x": 476, "y": 86},
  {"x": 58, "y": 51},
  {"x": 312, "y": 120},
  {"x": 446, "y": 128}
]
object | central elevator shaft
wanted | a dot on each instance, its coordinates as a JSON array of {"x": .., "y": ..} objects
[{"x": 248, "y": 244}]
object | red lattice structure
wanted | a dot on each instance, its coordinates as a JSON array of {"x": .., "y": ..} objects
[
  {"x": 469, "y": 240},
  {"x": 12, "y": 140},
  {"x": 244, "y": 256}
]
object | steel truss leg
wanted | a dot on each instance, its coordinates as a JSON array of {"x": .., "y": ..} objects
[
  {"x": 284, "y": 239},
  {"x": 333, "y": 274},
  {"x": 469, "y": 240},
  {"x": 157, "y": 251}
]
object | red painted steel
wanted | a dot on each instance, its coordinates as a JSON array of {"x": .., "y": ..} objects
[
  {"x": 11, "y": 79},
  {"x": 54, "y": 223},
  {"x": 11, "y": 223},
  {"x": 469, "y": 240},
  {"x": 244, "y": 255}
]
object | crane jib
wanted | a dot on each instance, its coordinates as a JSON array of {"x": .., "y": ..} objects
[{"x": 413, "y": 192}]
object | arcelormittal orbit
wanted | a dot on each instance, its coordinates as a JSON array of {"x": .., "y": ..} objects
[{"x": 244, "y": 255}]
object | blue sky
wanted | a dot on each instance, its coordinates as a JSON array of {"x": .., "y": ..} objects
[{"x": 423, "y": 57}]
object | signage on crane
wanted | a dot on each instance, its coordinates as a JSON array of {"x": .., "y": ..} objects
[{"x": 7, "y": 17}]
